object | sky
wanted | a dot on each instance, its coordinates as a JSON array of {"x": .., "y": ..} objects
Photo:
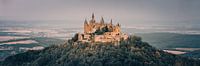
[{"x": 127, "y": 12}]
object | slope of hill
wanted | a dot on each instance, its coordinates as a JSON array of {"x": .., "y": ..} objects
[{"x": 131, "y": 52}]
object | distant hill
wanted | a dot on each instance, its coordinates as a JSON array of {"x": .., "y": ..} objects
[
  {"x": 171, "y": 40},
  {"x": 18, "y": 48},
  {"x": 131, "y": 52},
  {"x": 194, "y": 54}
]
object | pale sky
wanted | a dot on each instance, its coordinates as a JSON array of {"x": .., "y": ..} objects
[{"x": 124, "y": 11}]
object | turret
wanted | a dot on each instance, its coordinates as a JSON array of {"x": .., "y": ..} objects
[
  {"x": 85, "y": 26},
  {"x": 92, "y": 15},
  {"x": 111, "y": 22},
  {"x": 85, "y": 22},
  {"x": 102, "y": 21},
  {"x": 92, "y": 21},
  {"x": 118, "y": 25},
  {"x": 117, "y": 28}
]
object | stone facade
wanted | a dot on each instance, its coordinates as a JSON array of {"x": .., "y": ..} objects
[{"x": 101, "y": 32}]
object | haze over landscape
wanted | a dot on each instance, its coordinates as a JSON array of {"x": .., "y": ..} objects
[
  {"x": 185, "y": 14},
  {"x": 172, "y": 26}
]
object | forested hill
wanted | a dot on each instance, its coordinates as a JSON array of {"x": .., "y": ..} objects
[{"x": 131, "y": 52}]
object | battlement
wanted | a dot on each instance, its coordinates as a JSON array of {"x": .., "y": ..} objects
[{"x": 101, "y": 32}]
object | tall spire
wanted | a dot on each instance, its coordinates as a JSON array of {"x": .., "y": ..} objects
[
  {"x": 111, "y": 21},
  {"x": 118, "y": 24},
  {"x": 85, "y": 26},
  {"x": 92, "y": 21},
  {"x": 102, "y": 20},
  {"x": 92, "y": 15},
  {"x": 85, "y": 21}
]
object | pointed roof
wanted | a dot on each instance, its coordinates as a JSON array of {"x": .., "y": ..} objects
[
  {"x": 85, "y": 21},
  {"x": 102, "y": 20},
  {"x": 111, "y": 21},
  {"x": 92, "y": 21},
  {"x": 92, "y": 15},
  {"x": 118, "y": 24}
]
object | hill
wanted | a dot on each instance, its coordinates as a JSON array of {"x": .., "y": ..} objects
[
  {"x": 194, "y": 54},
  {"x": 171, "y": 40},
  {"x": 130, "y": 52}
]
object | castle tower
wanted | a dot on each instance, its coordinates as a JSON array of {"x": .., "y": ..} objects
[
  {"x": 117, "y": 28},
  {"x": 118, "y": 25},
  {"x": 110, "y": 26},
  {"x": 111, "y": 22},
  {"x": 92, "y": 21},
  {"x": 102, "y": 21},
  {"x": 86, "y": 26},
  {"x": 92, "y": 15}
]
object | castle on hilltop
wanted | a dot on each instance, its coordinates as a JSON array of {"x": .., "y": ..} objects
[{"x": 101, "y": 32}]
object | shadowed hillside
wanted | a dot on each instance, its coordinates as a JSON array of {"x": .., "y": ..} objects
[{"x": 130, "y": 52}]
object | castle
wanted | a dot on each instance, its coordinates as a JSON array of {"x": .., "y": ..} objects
[{"x": 101, "y": 32}]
